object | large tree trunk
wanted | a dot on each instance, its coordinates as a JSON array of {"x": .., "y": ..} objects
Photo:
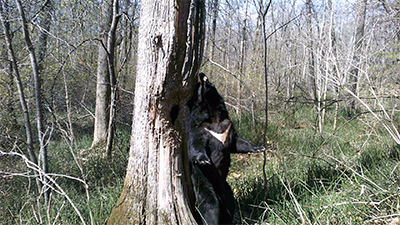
[{"x": 157, "y": 184}]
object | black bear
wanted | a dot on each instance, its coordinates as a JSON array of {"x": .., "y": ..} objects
[{"x": 212, "y": 139}]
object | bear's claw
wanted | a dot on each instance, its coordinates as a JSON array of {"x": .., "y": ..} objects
[{"x": 202, "y": 160}]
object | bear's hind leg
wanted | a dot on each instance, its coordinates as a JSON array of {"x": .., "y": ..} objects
[
  {"x": 207, "y": 203},
  {"x": 208, "y": 207}
]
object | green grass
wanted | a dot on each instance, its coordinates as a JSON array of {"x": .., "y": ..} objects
[
  {"x": 104, "y": 180},
  {"x": 345, "y": 176}
]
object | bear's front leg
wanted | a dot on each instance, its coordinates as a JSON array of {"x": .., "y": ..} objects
[
  {"x": 197, "y": 149},
  {"x": 243, "y": 146}
]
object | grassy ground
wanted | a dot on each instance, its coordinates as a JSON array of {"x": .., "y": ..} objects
[
  {"x": 94, "y": 202},
  {"x": 345, "y": 176}
]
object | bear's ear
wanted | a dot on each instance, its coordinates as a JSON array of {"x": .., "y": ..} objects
[
  {"x": 202, "y": 78},
  {"x": 199, "y": 90},
  {"x": 202, "y": 81}
]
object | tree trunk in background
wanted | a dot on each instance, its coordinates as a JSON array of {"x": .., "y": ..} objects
[
  {"x": 38, "y": 96},
  {"x": 8, "y": 68},
  {"x": 157, "y": 188},
  {"x": 310, "y": 50},
  {"x": 242, "y": 70},
  {"x": 263, "y": 10},
  {"x": 215, "y": 5},
  {"x": 20, "y": 88},
  {"x": 360, "y": 11},
  {"x": 128, "y": 42},
  {"x": 44, "y": 22},
  {"x": 103, "y": 88},
  {"x": 113, "y": 77},
  {"x": 332, "y": 67}
]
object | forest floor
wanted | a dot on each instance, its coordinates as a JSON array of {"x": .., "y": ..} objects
[{"x": 347, "y": 175}]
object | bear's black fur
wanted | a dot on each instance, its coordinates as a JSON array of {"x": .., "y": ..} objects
[{"x": 212, "y": 138}]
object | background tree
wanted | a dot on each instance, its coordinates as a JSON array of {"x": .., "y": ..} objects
[
  {"x": 39, "y": 104},
  {"x": 106, "y": 79},
  {"x": 214, "y": 16},
  {"x": 21, "y": 93},
  {"x": 262, "y": 13},
  {"x": 7, "y": 81},
  {"x": 360, "y": 12}
]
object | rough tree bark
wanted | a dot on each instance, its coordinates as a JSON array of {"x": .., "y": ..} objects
[{"x": 157, "y": 188}]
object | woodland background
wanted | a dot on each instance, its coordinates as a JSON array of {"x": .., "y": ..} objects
[{"x": 329, "y": 70}]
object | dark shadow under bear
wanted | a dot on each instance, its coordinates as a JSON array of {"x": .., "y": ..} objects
[{"x": 211, "y": 140}]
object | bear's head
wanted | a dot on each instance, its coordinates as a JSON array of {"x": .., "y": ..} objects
[
  {"x": 206, "y": 95},
  {"x": 206, "y": 104}
]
